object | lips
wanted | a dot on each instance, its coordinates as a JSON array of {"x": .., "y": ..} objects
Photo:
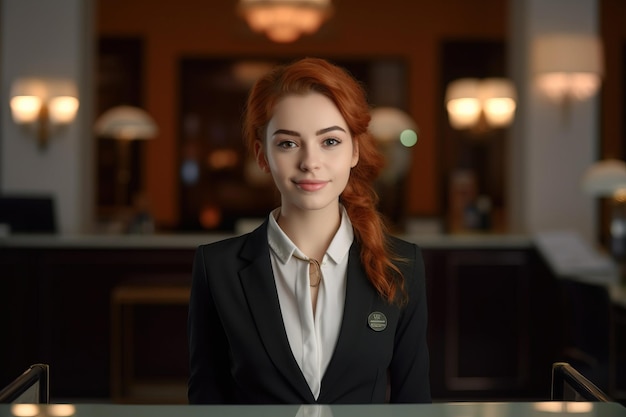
[{"x": 310, "y": 185}]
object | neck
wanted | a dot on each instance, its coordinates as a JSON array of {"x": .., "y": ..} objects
[{"x": 310, "y": 230}]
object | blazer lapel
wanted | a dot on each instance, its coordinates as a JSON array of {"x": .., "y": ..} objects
[
  {"x": 359, "y": 298},
  {"x": 259, "y": 287}
]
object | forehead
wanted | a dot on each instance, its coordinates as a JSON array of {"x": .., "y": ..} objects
[{"x": 300, "y": 111}]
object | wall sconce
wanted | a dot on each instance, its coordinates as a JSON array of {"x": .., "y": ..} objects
[
  {"x": 467, "y": 99},
  {"x": 568, "y": 66},
  {"x": 43, "y": 105},
  {"x": 284, "y": 21},
  {"x": 607, "y": 178},
  {"x": 126, "y": 124}
]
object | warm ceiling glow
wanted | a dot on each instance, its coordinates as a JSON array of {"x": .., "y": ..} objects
[{"x": 284, "y": 21}]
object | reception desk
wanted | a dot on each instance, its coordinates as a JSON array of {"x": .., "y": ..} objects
[
  {"x": 493, "y": 320},
  {"x": 529, "y": 409}
]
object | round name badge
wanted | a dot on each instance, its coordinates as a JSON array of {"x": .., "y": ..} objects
[{"x": 377, "y": 321}]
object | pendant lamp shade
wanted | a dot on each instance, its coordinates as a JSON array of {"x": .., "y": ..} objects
[{"x": 127, "y": 123}]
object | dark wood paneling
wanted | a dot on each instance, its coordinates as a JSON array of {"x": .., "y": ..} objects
[
  {"x": 493, "y": 327},
  {"x": 59, "y": 304},
  {"x": 491, "y": 323}
]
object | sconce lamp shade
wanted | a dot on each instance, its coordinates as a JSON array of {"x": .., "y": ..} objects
[
  {"x": 62, "y": 109},
  {"x": 25, "y": 109},
  {"x": 388, "y": 123},
  {"x": 463, "y": 103},
  {"x": 467, "y": 98},
  {"x": 568, "y": 65},
  {"x": 27, "y": 97},
  {"x": 498, "y": 98},
  {"x": 126, "y": 123},
  {"x": 605, "y": 178},
  {"x": 284, "y": 21}
]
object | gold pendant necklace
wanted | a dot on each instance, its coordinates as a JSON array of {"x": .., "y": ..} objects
[{"x": 315, "y": 270}]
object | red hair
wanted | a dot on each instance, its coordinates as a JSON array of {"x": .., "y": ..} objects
[{"x": 359, "y": 197}]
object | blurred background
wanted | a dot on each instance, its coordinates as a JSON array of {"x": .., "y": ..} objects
[{"x": 120, "y": 141}]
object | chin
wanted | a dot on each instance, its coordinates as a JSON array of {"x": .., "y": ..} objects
[{"x": 317, "y": 205}]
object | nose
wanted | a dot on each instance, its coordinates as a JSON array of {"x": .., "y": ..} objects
[{"x": 310, "y": 159}]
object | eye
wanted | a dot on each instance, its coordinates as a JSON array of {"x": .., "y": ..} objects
[
  {"x": 286, "y": 144},
  {"x": 331, "y": 142}
]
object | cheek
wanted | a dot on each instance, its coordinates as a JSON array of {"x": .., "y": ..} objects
[
  {"x": 276, "y": 166},
  {"x": 272, "y": 163},
  {"x": 345, "y": 171}
]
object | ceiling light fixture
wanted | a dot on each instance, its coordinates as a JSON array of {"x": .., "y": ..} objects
[{"x": 284, "y": 21}]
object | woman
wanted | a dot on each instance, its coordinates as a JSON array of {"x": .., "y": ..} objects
[{"x": 318, "y": 304}]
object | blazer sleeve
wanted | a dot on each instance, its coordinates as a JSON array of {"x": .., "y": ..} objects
[
  {"x": 210, "y": 381},
  {"x": 409, "y": 369}
]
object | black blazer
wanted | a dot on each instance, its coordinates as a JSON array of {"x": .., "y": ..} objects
[{"x": 240, "y": 354}]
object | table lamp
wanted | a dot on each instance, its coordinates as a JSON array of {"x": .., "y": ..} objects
[
  {"x": 607, "y": 178},
  {"x": 125, "y": 124}
]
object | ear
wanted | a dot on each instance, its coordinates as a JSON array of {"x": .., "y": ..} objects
[
  {"x": 355, "y": 153},
  {"x": 259, "y": 155}
]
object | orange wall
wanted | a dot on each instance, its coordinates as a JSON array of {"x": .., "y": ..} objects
[
  {"x": 613, "y": 29},
  {"x": 613, "y": 118},
  {"x": 412, "y": 29}
]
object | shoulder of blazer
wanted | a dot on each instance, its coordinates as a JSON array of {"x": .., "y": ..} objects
[
  {"x": 248, "y": 246},
  {"x": 410, "y": 261},
  {"x": 401, "y": 247}
]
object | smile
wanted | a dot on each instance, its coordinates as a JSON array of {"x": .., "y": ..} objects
[{"x": 310, "y": 185}]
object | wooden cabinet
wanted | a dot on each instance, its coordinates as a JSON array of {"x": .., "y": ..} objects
[
  {"x": 492, "y": 324},
  {"x": 617, "y": 371}
]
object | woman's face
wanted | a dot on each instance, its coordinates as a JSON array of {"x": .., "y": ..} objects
[{"x": 309, "y": 151}]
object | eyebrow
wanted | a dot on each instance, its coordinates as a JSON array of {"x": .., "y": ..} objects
[
  {"x": 319, "y": 132},
  {"x": 329, "y": 129}
]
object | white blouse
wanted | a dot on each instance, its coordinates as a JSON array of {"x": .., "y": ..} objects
[{"x": 312, "y": 339}]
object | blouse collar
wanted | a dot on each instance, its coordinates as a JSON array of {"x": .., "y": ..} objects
[{"x": 284, "y": 248}]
